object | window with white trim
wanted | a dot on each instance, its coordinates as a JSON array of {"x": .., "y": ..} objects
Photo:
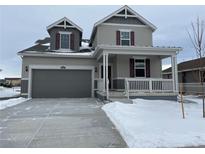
[
  {"x": 140, "y": 68},
  {"x": 125, "y": 38},
  {"x": 65, "y": 40}
]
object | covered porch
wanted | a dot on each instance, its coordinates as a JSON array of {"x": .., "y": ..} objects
[{"x": 135, "y": 72}]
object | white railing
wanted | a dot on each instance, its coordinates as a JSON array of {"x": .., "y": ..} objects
[
  {"x": 148, "y": 85},
  {"x": 100, "y": 84}
]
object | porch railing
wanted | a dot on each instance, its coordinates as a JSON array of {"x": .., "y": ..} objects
[{"x": 148, "y": 85}]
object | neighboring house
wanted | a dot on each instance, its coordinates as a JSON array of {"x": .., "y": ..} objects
[
  {"x": 120, "y": 58},
  {"x": 1, "y": 82},
  {"x": 188, "y": 74},
  {"x": 14, "y": 82}
]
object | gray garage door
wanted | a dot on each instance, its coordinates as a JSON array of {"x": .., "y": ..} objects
[{"x": 61, "y": 83}]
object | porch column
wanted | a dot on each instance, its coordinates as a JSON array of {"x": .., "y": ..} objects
[
  {"x": 174, "y": 73},
  {"x": 104, "y": 72},
  {"x": 107, "y": 80}
]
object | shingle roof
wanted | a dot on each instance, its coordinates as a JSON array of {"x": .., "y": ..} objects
[
  {"x": 37, "y": 47},
  {"x": 191, "y": 64},
  {"x": 43, "y": 41}
]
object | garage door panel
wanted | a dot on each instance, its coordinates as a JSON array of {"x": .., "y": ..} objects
[{"x": 61, "y": 83}]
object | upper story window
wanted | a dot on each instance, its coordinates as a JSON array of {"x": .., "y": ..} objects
[
  {"x": 125, "y": 38},
  {"x": 65, "y": 40}
]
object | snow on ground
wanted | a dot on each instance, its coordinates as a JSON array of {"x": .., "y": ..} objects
[
  {"x": 9, "y": 92},
  {"x": 158, "y": 123},
  {"x": 11, "y": 102}
]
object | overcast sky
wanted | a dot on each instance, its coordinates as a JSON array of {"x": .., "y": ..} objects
[{"x": 21, "y": 26}]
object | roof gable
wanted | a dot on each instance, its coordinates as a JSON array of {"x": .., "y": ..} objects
[
  {"x": 126, "y": 12},
  {"x": 65, "y": 23}
]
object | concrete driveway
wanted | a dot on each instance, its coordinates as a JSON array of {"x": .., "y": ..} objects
[{"x": 53, "y": 123}]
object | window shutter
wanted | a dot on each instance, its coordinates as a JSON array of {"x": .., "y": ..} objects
[
  {"x": 117, "y": 37},
  {"x": 132, "y": 38},
  {"x": 148, "y": 68},
  {"x": 57, "y": 41},
  {"x": 131, "y": 67},
  {"x": 72, "y": 41}
]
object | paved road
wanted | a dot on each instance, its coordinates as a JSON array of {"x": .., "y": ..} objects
[{"x": 53, "y": 123}]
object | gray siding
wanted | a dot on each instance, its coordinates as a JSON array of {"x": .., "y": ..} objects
[
  {"x": 61, "y": 83},
  {"x": 106, "y": 34},
  {"x": 77, "y": 37}
]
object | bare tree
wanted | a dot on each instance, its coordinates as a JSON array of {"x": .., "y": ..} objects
[{"x": 196, "y": 36}]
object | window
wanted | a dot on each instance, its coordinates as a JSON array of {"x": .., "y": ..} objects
[
  {"x": 64, "y": 40},
  {"x": 139, "y": 68},
  {"x": 125, "y": 38}
]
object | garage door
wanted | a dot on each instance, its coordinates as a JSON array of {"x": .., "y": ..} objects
[{"x": 61, "y": 83}]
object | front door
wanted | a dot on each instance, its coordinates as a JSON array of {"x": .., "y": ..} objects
[{"x": 109, "y": 75}]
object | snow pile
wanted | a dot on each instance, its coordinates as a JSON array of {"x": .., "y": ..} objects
[
  {"x": 11, "y": 102},
  {"x": 84, "y": 44},
  {"x": 158, "y": 123},
  {"x": 9, "y": 92}
]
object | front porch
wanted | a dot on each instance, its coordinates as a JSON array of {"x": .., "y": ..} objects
[
  {"x": 131, "y": 72},
  {"x": 148, "y": 88}
]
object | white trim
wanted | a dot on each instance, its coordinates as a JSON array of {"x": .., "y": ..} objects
[
  {"x": 67, "y": 67},
  {"x": 136, "y": 50},
  {"x": 24, "y": 94},
  {"x": 125, "y": 25},
  {"x": 65, "y": 49},
  {"x": 122, "y": 15},
  {"x": 132, "y": 11},
  {"x": 65, "y": 32},
  {"x": 24, "y": 78},
  {"x": 109, "y": 64},
  {"x": 42, "y": 54},
  {"x": 129, "y": 39},
  {"x": 119, "y": 78},
  {"x": 63, "y": 26},
  {"x": 173, "y": 73},
  {"x": 125, "y": 30},
  {"x": 107, "y": 80},
  {"x": 103, "y": 72},
  {"x": 55, "y": 24}
]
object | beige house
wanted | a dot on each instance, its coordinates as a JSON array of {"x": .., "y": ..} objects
[
  {"x": 13, "y": 81},
  {"x": 120, "y": 61}
]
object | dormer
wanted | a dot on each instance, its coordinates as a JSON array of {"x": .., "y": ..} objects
[{"x": 65, "y": 36}]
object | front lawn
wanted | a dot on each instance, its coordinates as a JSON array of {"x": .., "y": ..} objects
[{"x": 158, "y": 123}]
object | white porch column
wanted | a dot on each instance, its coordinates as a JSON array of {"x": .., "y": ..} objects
[
  {"x": 174, "y": 73},
  {"x": 104, "y": 72},
  {"x": 107, "y": 80}
]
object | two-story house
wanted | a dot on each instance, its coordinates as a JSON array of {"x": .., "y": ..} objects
[{"x": 120, "y": 61}]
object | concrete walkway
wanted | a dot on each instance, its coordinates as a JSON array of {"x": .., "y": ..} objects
[{"x": 58, "y": 123}]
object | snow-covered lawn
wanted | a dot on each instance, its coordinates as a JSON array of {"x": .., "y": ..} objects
[
  {"x": 11, "y": 102},
  {"x": 9, "y": 92},
  {"x": 158, "y": 123}
]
